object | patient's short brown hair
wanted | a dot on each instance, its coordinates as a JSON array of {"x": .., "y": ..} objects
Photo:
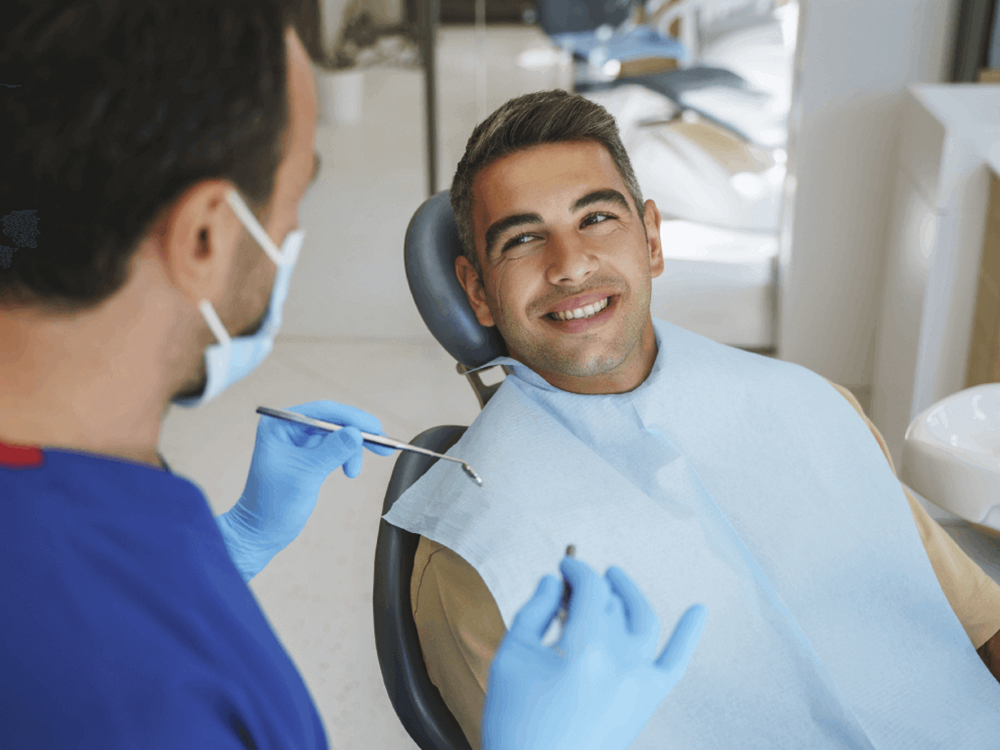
[{"x": 532, "y": 120}]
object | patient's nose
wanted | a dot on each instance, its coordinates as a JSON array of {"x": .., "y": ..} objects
[{"x": 569, "y": 260}]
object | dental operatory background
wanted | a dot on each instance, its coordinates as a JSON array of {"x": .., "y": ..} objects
[{"x": 826, "y": 172}]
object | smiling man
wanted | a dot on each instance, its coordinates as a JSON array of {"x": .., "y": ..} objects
[
  {"x": 842, "y": 615},
  {"x": 568, "y": 262}
]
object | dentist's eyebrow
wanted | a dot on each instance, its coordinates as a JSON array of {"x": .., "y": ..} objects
[
  {"x": 607, "y": 195},
  {"x": 497, "y": 228}
]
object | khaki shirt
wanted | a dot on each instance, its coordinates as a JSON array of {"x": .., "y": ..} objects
[{"x": 460, "y": 626}]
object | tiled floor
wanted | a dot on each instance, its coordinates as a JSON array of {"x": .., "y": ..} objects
[{"x": 352, "y": 334}]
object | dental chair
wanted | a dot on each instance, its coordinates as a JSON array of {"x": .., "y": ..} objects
[
  {"x": 595, "y": 30},
  {"x": 599, "y": 26},
  {"x": 430, "y": 248}
]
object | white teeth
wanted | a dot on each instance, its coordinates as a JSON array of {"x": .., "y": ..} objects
[{"x": 582, "y": 312}]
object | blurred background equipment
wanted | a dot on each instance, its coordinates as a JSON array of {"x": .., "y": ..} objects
[{"x": 702, "y": 92}]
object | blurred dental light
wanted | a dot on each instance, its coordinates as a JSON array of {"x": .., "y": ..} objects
[
  {"x": 599, "y": 54},
  {"x": 612, "y": 68},
  {"x": 539, "y": 58},
  {"x": 747, "y": 184},
  {"x": 776, "y": 174}
]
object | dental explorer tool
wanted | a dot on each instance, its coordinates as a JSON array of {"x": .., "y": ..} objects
[
  {"x": 564, "y": 603},
  {"x": 291, "y": 416}
]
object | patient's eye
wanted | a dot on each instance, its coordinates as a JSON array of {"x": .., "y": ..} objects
[
  {"x": 597, "y": 218},
  {"x": 514, "y": 242}
]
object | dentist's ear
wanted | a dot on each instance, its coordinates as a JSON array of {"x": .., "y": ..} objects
[
  {"x": 474, "y": 290},
  {"x": 198, "y": 239},
  {"x": 651, "y": 220}
]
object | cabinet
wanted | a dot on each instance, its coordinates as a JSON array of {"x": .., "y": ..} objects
[{"x": 945, "y": 152}]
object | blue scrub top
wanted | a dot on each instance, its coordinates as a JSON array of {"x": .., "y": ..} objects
[{"x": 123, "y": 623}]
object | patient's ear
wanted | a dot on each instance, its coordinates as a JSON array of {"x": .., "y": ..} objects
[
  {"x": 651, "y": 219},
  {"x": 474, "y": 290}
]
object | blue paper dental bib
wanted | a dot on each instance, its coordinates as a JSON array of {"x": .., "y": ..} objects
[{"x": 749, "y": 485}]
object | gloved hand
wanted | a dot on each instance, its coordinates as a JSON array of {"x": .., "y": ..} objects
[
  {"x": 290, "y": 462},
  {"x": 599, "y": 685}
]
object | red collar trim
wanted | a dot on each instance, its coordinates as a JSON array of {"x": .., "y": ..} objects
[{"x": 21, "y": 456}]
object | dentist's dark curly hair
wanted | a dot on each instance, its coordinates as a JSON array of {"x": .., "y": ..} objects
[
  {"x": 532, "y": 120},
  {"x": 111, "y": 109}
]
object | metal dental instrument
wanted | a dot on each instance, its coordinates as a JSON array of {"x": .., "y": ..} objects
[
  {"x": 564, "y": 603},
  {"x": 291, "y": 416}
]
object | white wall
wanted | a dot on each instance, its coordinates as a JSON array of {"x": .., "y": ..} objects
[{"x": 855, "y": 58}]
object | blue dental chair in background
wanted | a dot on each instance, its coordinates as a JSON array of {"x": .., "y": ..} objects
[
  {"x": 583, "y": 27},
  {"x": 595, "y": 30},
  {"x": 430, "y": 249}
]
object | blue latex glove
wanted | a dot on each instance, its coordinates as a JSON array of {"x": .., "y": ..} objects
[
  {"x": 599, "y": 685},
  {"x": 290, "y": 462}
]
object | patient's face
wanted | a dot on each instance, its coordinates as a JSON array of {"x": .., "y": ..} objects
[{"x": 556, "y": 230}]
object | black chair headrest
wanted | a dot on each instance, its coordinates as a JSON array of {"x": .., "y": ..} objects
[{"x": 429, "y": 252}]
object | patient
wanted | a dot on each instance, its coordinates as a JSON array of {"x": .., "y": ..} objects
[{"x": 708, "y": 473}]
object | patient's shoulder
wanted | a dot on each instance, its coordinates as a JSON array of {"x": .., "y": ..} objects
[
  {"x": 871, "y": 425},
  {"x": 444, "y": 561},
  {"x": 443, "y": 574},
  {"x": 852, "y": 399}
]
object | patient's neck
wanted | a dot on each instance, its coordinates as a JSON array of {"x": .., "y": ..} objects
[{"x": 627, "y": 376}]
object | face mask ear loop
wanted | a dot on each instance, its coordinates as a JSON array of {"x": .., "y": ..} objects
[
  {"x": 218, "y": 330},
  {"x": 253, "y": 226}
]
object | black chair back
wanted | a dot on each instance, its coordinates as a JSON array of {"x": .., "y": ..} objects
[{"x": 417, "y": 702}]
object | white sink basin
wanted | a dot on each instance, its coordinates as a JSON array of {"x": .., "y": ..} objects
[{"x": 951, "y": 455}]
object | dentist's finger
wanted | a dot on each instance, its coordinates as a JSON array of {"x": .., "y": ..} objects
[
  {"x": 348, "y": 416},
  {"x": 589, "y": 594},
  {"x": 639, "y": 615},
  {"x": 379, "y": 450},
  {"x": 299, "y": 435},
  {"x": 342, "y": 414},
  {"x": 351, "y": 445},
  {"x": 679, "y": 649},
  {"x": 534, "y": 618}
]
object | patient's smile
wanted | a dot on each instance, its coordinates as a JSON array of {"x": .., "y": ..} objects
[
  {"x": 583, "y": 318},
  {"x": 580, "y": 307}
]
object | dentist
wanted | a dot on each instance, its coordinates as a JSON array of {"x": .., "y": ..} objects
[{"x": 155, "y": 155}]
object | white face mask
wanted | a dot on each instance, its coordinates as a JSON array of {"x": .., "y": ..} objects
[{"x": 231, "y": 359}]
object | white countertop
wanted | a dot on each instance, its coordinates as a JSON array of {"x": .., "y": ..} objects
[{"x": 970, "y": 110}]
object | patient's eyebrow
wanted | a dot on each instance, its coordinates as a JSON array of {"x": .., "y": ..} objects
[
  {"x": 497, "y": 228},
  {"x": 607, "y": 195}
]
